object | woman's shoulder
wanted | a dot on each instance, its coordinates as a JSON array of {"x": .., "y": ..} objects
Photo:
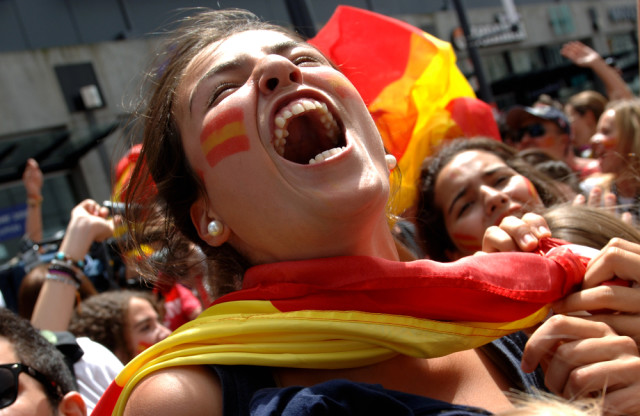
[{"x": 186, "y": 390}]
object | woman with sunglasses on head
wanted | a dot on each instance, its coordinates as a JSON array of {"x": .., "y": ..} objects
[
  {"x": 265, "y": 155},
  {"x": 34, "y": 378}
]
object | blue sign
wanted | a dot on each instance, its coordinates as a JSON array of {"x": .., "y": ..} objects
[{"x": 12, "y": 221}]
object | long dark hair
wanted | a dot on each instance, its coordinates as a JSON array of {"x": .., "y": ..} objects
[{"x": 163, "y": 157}]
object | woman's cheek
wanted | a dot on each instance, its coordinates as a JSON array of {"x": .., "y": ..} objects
[
  {"x": 467, "y": 234},
  {"x": 532, "y": 195},
  {"x": 224, "y": 135},
  {"x": 467, "y": 243}
]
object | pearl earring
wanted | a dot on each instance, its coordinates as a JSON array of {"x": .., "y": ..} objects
[
  {"x": 215, "y": 228},
  {"x": 391, "y": 161}
]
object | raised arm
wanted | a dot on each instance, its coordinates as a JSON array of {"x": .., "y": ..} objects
[
  {"x": 582, "y": 55},
  {"x": 55, "y": 302},
  {"x": 33, "y": 180}
]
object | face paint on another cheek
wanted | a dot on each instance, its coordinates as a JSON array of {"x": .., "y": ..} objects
[
  {"x": 466, "y": 242},
  {"x": 224, "y": 136},
  {"x": 531, "y": 189},
  {"x": 142, "y": 346}
]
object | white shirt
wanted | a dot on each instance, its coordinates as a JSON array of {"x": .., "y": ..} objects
[{"x": 95, "y": 370}]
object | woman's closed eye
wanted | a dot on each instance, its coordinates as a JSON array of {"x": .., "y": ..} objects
[
  {"x": 465, "y": 206},
  {"x": 307, "y": 60},
  {"x": 500, "y": 180},
  {"x": 220, "y": 92}
]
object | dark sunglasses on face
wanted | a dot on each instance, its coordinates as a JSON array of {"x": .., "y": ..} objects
[
  {"x": 9, "y": 382},
  {"x": 533, "y": 130}
]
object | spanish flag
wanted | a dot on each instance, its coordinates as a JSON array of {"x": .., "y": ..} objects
[
  {"x": 411, "y": 85},
  {"x": 347, "y": 312}
]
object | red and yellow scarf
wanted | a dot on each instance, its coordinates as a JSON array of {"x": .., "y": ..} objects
[{"x": 353, "y": 311}]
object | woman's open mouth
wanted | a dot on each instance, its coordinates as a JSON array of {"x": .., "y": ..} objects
[{"x": 306, "y": 132}]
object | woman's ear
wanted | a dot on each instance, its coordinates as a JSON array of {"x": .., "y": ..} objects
[
  {"x": 201, "y": 217},
  {"x": 72, "y": 404}
]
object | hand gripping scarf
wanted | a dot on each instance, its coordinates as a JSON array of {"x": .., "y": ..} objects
[{"x": 352, "y": 311}]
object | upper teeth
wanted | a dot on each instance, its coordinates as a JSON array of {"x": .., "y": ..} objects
[{"x": 296, "y": 108}]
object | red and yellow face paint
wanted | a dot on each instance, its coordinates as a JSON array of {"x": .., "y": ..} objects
[
  {"x": 533, "y": 192},
  {"x": 224, "y": 136},
  {"x": 466, "y": 242}
]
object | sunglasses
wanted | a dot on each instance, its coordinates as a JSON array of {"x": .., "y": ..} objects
[
  {"x": 533, "y": 130},
  {"x": 9, "y": 382}
]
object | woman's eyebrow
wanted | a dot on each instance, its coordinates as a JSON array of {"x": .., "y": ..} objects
[
  {"x": 236, "y": 63},
  {"x": 239, "y": 61},
  {"x": 492, "y": 170}
]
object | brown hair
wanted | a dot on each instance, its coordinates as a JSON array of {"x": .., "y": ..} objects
[
  {"x": 587, "y": 226},
  {"x": 432, "y": 231},
  {"x": 165, "y": 161},
  {"x": 589, "y": 100},
  {"x": 103, "y": 318}
]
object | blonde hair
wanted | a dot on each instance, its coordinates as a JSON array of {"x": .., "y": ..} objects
[
  {"x": 547, "y": 404},
  {"x": 627, "y": 122}
]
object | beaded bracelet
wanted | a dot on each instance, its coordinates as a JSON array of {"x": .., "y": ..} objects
[
  {"x": 64, "y": 269},
  {"x": 61, "y": 279},
  {"x": 63, "y": 257}
]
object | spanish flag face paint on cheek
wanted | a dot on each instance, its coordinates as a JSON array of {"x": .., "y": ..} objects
[
  {"x": 533, "y": 193},
  {"x": 466, "y": 242},
  {"x": 223, "y": 136}
]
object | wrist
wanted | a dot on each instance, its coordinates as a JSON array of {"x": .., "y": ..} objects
[{"x": 34, "y": 200}]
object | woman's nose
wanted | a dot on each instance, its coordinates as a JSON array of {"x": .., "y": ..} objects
[
  {"x": 597, "y": 138},
  {"x": 493, "y": 199},
  {"x": 162, "y": 332},
  {"x": 274, "y": 72}
]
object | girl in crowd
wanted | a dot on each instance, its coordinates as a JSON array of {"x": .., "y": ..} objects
[
  {"x": 125, "y": 321},
  {"x": 265, "y": 156},
  {"x": 583, "y": 111},
  {"x": 616, "y": 144},
  {"x": 470, "y": 185}
]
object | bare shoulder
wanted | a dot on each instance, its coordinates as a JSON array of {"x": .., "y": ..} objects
[{"x": 187, "y": 391}]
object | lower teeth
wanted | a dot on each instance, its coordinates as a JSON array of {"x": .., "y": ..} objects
[{"x": 325, "y": 155}]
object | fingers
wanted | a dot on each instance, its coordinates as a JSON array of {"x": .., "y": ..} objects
[
  {"x": 497, "y": 240},
  {"x": 595, "y": 197},
  {"x": 627, "y": 217},
  {"x": 587, "y": 366},
  {"x": 623, "y": 401},
  {"x": 622, "y": 324},
  {"x": 582, "y": 358},
  {"x": 516, "y": 234},
  {"x": 604, "y": 297},
  {"x": 555, "y": 331},
  {"x": 619, "y": 258}
]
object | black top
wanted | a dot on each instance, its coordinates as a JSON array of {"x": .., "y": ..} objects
[{"x": 251, "y": 390}]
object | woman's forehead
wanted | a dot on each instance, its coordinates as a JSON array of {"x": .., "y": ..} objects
[{"x": 241, "y": 43}]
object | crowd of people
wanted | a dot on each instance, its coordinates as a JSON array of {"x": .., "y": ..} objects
[{"x": 262, "y": 274}]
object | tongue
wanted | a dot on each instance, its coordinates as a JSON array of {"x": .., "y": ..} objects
[{"x": 306, "y": 139}]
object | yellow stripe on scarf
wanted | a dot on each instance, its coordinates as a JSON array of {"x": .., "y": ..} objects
[{"x": 261, "y": 335}]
